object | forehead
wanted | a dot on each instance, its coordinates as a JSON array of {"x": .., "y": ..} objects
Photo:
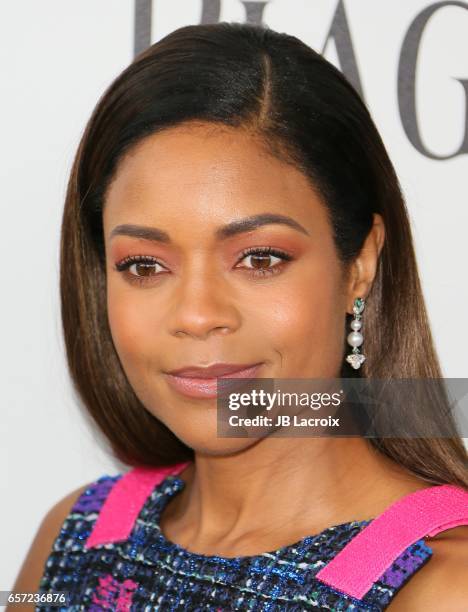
[{"x": 208, "y": 171}]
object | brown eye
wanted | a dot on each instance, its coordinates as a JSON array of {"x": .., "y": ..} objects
[
  {"x": 143, "y": 269},
  {"x": 140, "y": 268},
  {"x": 261, "y": 262}
]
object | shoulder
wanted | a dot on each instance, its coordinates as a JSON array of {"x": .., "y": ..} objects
[
  {"x": 32, "y": 569},
  {"x": 442, "y": 583}
]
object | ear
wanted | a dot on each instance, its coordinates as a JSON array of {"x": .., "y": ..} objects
[{"x": 363, "y": 269}]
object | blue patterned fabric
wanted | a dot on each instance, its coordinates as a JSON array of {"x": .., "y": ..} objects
[{"x": 149, "y": 572}]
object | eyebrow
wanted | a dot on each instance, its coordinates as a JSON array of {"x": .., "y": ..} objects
[{"x": 240, "y": 226}]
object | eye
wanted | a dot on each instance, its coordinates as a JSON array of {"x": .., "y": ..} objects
[
  {"x": 260, "y": 260},
  {"x": 143, "y": 268}
]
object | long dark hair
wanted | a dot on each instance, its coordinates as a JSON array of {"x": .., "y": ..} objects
[{"x": 308, "y": 114}]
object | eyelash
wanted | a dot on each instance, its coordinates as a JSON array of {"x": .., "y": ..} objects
[{"x": 124, "y": 264}]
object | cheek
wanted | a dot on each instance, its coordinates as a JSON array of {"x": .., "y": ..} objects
[
  {"x": 303, "y": 316},
  {"x": 132, "y": 324},
  {"x": 305, "y": 323}
]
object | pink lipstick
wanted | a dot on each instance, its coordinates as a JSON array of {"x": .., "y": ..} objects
[{"x": 200, "y": 382}]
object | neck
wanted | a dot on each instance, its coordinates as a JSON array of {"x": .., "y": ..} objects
[{"x": 284, "y": 487}]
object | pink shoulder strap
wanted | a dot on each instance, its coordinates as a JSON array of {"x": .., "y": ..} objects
[
  {"x": 125, "y": 501},
  {"x": 372, "y": 551}
]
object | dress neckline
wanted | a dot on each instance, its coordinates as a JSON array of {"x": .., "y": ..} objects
[{"x": 173, "y": 484}]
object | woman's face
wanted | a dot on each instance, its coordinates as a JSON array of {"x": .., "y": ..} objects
[{"x": 198, "y": 297}]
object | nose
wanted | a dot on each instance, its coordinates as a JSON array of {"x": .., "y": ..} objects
[{"x": 202, "y": 305}]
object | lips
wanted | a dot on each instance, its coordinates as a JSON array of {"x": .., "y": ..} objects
[
  {"x": 203, "y": 382},
  {"x": 217, "y": 369}
]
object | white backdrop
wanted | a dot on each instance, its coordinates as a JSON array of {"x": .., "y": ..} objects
[{"x": 57, "y": 57}]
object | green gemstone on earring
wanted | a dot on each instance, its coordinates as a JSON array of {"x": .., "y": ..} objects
[{"x": 358, "y": 306}]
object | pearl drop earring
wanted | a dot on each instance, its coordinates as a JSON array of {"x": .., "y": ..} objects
[{"x": 355, "y": 339}]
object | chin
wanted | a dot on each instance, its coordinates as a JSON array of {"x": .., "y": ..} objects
[
  {"x": 194, "y": 423},
  {"x": 212, "y": 446}
]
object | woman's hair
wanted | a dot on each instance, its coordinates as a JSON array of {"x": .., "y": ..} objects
[{"x": 305, "y": 111}]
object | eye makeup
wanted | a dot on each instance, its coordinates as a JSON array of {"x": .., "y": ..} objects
[{"x": 145, "y": 264}]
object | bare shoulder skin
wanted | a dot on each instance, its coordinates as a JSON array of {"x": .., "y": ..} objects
[
  {"x": 441, "y": 585},
  {"x": 31, "y": 571}
]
